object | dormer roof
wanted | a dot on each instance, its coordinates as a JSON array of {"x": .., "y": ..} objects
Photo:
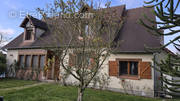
[{"x": 35, "y": 22}]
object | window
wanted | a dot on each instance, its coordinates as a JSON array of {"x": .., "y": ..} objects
[
  {"x": 32, "y": 61},
  {"x": 128, "y": 68},
  {"x": 29, "y": 33},
  {"x": 80, "y": 58},
  {"x": 21, "y": 60},
  {"x": 133, "y": 68},
  {"x": 35, "y": 61},
  {"x": 28, "y": 61},
  {"x": 123, "y": 67},
  {"x": 42, "y": 59},
  {"x": 86, "y": 29}
]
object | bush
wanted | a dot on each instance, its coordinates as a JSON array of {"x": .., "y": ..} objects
[{"x": 2, "y": 63}]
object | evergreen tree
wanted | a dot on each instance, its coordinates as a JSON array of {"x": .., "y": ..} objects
[
  {"x": 2, "y": 63},
  {"x": 170, "y": 69},
  {"x": 166, "y": 11}
]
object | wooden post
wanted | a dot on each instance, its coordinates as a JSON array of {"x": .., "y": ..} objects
[
  {"x": 128, "y": 68},
  {"x": 53, "y": 68}
]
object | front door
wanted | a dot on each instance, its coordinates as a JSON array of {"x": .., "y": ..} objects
[{"x": 53, "y": 68}]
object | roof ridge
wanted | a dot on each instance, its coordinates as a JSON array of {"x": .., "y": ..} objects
[
  {"x": 118, "y": 6},
  {"x": 36, "y": 18},
  {"x": 142, "y": 7}
]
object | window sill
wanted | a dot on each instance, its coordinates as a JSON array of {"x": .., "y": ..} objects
[
  {"x": 26, "y": 41},
  {"x": 129, "y": 77}
]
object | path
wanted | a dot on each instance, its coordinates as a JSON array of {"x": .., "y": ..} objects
[{"x": 23, "y": 87}]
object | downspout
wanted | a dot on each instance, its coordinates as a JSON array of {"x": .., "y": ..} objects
[{"x": 154, "y": 79}]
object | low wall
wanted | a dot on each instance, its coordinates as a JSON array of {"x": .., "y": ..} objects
[{"x": 30, "y": 75}]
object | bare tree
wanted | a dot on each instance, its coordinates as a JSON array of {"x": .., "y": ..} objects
[
  {"x": 84, "y": 36},
  {"x": 3, "y": 66},
  {"x": 3, "y": 39}
]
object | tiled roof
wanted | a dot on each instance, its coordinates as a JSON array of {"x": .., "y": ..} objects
[
  {"x": 133, "y": 36},
  {"x": 36, "y": 22}
]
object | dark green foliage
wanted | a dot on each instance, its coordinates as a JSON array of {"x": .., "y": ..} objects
[
  {"x": 165, "y": 10},
  {"x": 12, "y": 69},
  {"x": 170, "y": 67},
  {"x": 2, "y": 63}
]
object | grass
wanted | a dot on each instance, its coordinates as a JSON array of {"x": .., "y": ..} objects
[
  {"x": 54, "y": 92},
  {"x": 9, "y": 83}
]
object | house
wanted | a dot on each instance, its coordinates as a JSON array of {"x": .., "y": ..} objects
[{"x": 136, "y": 77}]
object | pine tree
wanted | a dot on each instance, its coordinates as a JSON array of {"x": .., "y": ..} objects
[
  {"x": 165, "y": 10},
  {"x": 170, "y": 69}
]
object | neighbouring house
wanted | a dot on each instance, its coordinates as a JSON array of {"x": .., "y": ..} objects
[{"x": 129, "y": 66}]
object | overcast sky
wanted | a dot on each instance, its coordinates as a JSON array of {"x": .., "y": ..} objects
[{"x": 10, "y": 17}]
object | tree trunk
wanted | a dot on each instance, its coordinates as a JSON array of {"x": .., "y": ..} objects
[{"x": 80, "y": 94}]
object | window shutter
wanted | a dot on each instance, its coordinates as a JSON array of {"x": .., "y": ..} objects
[
  {"x": 145, "y": 70},
  {"x": 72, "y": 59},
  {"x": 92, "y": 63},
  {"x": 92, "y": 60},
  {"x": 113, "y": 68}
]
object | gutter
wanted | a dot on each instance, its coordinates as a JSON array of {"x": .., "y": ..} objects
[{"x": 132, "y": 52}]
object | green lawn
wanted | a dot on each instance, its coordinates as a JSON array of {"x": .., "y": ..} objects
[
  {"x": 54, "y": 92},
  {"x": 9, "y": 83}
]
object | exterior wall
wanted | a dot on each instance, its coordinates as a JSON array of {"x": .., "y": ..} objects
[
  {"x": 25, "y": 74},
  {"x": 70, "y": 79},
  {"x": 32, "y": 51},
  {"x": 30, "y": 75},
  {"x": 142, "y": 87},
  {"x": 12, "y": 55}
]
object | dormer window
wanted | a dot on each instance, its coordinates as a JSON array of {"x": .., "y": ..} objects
[
  {"x": 33, "y": 28},
  {"x": 86, "y": 29},
  {"x": 29, "y": 33}
]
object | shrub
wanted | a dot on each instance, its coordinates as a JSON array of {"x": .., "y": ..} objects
[{"x": 2, "y": 63}]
